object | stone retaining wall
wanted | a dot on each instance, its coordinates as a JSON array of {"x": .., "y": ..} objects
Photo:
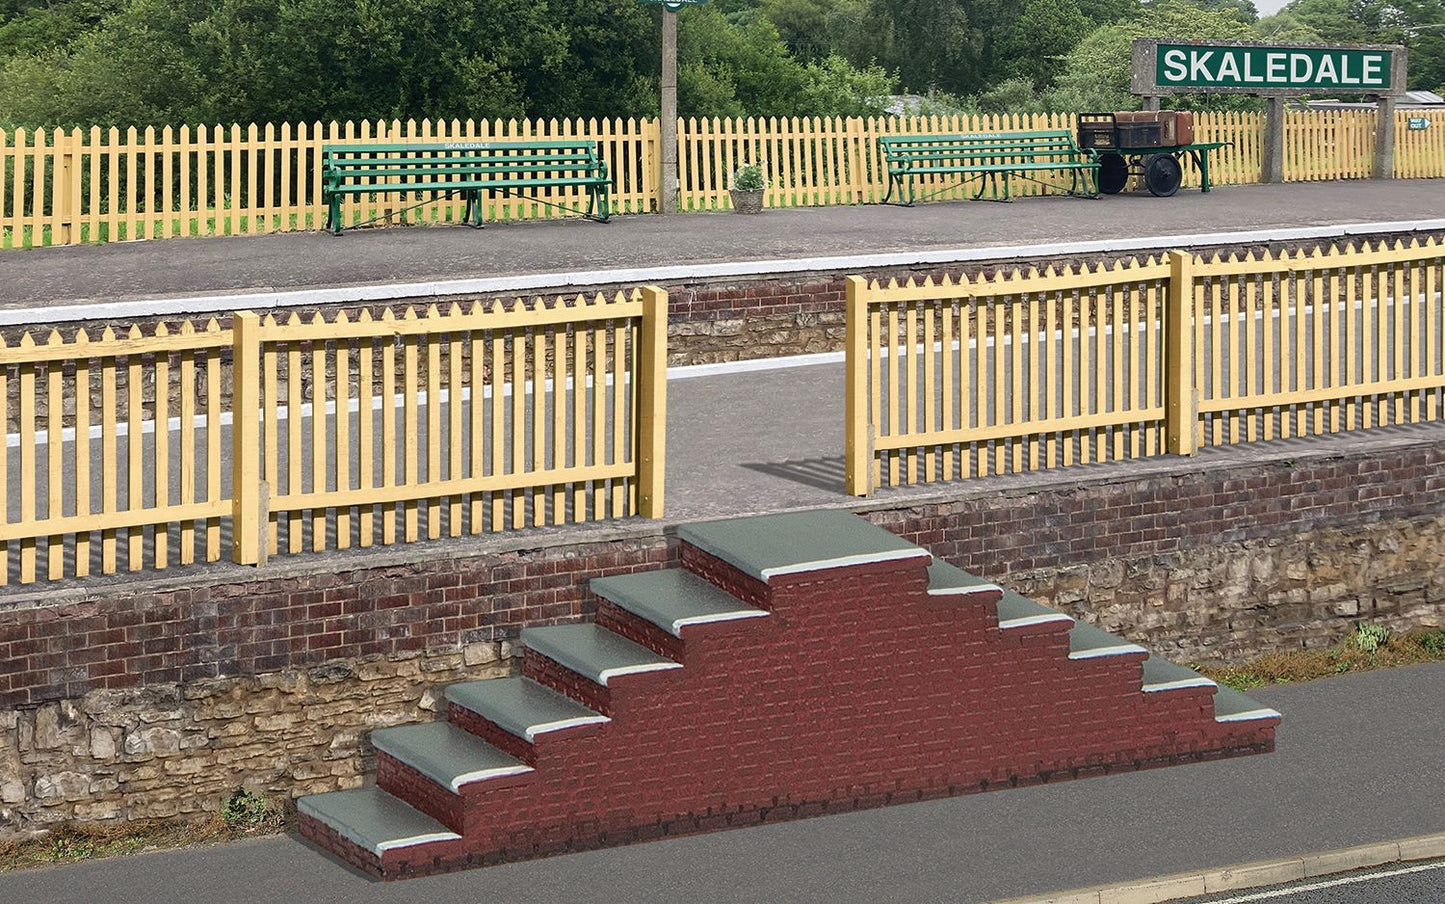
[{"x": 124, "y": 700}]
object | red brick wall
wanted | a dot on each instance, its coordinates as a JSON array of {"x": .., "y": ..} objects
[
  {"x": 243, "y": 622},
  {"x": 858, "y": 690}
]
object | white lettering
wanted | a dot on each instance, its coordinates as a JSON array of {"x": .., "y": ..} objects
[
  {"x": 1174, "y": 68},
  {"x": 1327, "y": 70},
  {"x": 1274, "y": 67},
  {"x": 1345, "y": 78},
  {"x": 1197, "y": 62},
  {"x": 1228, "y": 67},
  {"x": 1249, "y": 75},
  {"x": 1372, "y": 75},
  {"x": 1296, "y": 74}
]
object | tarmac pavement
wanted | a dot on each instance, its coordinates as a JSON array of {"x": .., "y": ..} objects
[
  {"x": 1359, "y": 760},
  {"x": 171, "y": 267}
]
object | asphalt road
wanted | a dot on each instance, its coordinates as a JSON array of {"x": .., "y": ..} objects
[
  {"x": 1400, "y": 883},
  {"x": 1358, "y": 761},
  {"x": 290, "y": 261}
]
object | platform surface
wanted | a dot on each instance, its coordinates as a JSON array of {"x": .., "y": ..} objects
[{"x": 180, "y": 267}]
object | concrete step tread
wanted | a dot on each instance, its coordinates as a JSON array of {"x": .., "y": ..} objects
[
  {"x": 594, "y": 652},
  {"x": 1163, "y": 675},
  {"x": 771, "y": 545},
  {"x": 1018, "y": 611},
  {"x": 446, "y": 754},
  {"x": 673, "y": 599},
  {"x": 1232, "y": 706},
  {"x": 1089, "y": 642},
  {"x": 521, "y": 706},
  {"x": 947, "y": 580},
  {"x": 374, "y": 820}
]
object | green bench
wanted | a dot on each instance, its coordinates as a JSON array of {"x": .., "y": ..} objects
[
  {"x": 984, "y": 157},
  {"x": 463, "y": 167}
]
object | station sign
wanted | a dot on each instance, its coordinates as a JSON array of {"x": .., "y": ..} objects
[
  {"x": 1177, "y": 67},
  {"x": 1418, "y": 123}
]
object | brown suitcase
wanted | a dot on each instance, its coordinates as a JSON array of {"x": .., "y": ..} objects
[{"x": 1183, "y": 128}]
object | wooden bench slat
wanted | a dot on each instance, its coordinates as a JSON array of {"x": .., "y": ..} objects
[
  {"x": 985, "y": 155},
  {"x": 470, "y": 167}
]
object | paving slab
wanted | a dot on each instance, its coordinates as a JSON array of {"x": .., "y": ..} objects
[
  {"x": 171, "y": 267},
  {"x": 1358, "y": 762}
]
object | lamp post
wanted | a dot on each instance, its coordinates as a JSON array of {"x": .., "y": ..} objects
[{"x": 667, "y": 125}]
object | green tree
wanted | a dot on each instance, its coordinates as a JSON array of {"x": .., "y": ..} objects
[
  {"x": 836, "y": 88},
  {"x": 157, "y": 61},
  {"x": 802, "y": 25},
  {"x": 1285, "y": 27},
  {"x": 1097, "y": 74},
  {"x": 1044, "y": 33}
]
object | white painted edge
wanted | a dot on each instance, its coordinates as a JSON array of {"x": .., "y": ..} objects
[
  {"x": 608, "y": 674},
  {"x": 266, "y": 297},
  {"x": 545, "y": 727},
  {"x": 842, "y": 562},
  {"x": 1029, "y": 620},
  {"x": 964, "y": 591},
  {"x": 1251, "y": 715},
  {"x": 1121, "y": 650},
  {"x": 1179, "y": 685},
  {"x": 467, "y": 778},
  {"x": 412, "y": 841},
  {"x": 1330, "y": 883},
  {"x": 1261, "y": 873},
  {"x": 735, "y": 615}
]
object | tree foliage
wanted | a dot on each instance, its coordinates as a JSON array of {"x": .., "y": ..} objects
[{"x": 65, "y": 62}]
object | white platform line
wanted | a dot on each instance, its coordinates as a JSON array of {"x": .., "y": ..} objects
[{"x": 1330, "y": 883}]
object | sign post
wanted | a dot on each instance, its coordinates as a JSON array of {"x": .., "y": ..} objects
[
  {"x": 667, "y": 122},
  {"x": 1277, "y": 72}
]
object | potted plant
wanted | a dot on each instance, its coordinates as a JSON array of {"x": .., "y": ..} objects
[{"x": 747, "y": 188}]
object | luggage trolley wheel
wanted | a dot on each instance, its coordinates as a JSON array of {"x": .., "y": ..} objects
[
  {"x": 1162, "y": 175},
  {"x": 1113, "y": 173}
]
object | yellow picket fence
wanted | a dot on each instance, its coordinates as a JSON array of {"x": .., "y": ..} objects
[
  {"x": 59, "y": 187},
  {"x": 96, "y": 185},
  {"x": 1027, "y": 370},
  {"x": 134, "y": 452}
]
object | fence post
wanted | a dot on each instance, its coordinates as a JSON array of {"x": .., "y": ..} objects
[
  {"x": 246, "y": 504},
  {"x": 63, "y": 203},
  {"x": 1179, "y": 326},
  {"x": 652, "y": 403},
  {"x": 858, "y": 465},
  {"x": 857, "y": 160}
]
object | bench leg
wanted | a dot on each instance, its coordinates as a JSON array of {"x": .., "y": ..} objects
[
  {"x": 333, "y": 215},
  {"x": 602, "y": 203},
  {"x": 473, "y": 211}
]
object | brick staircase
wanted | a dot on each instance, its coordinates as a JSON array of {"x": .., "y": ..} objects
[{"x": 795, "y": 665}]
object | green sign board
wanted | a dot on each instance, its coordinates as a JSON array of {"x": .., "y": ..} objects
[
  {"x": 1418, "y": 123},
  {"x": 1170, "y": 67},
  {"x": 675, "y": 5}
]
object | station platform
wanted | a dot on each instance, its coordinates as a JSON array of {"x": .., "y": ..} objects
[{"x": 556, "y": 254}]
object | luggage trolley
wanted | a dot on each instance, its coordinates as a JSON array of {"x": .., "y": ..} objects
[{"x": 1148, "y": 145}]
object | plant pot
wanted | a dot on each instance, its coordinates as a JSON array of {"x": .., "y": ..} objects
[{"x": 746, "y": 201}]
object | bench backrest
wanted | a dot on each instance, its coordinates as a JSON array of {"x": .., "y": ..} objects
[
  {"x": 978, "y": 146},
  {"x": 462, "y": 157}
]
